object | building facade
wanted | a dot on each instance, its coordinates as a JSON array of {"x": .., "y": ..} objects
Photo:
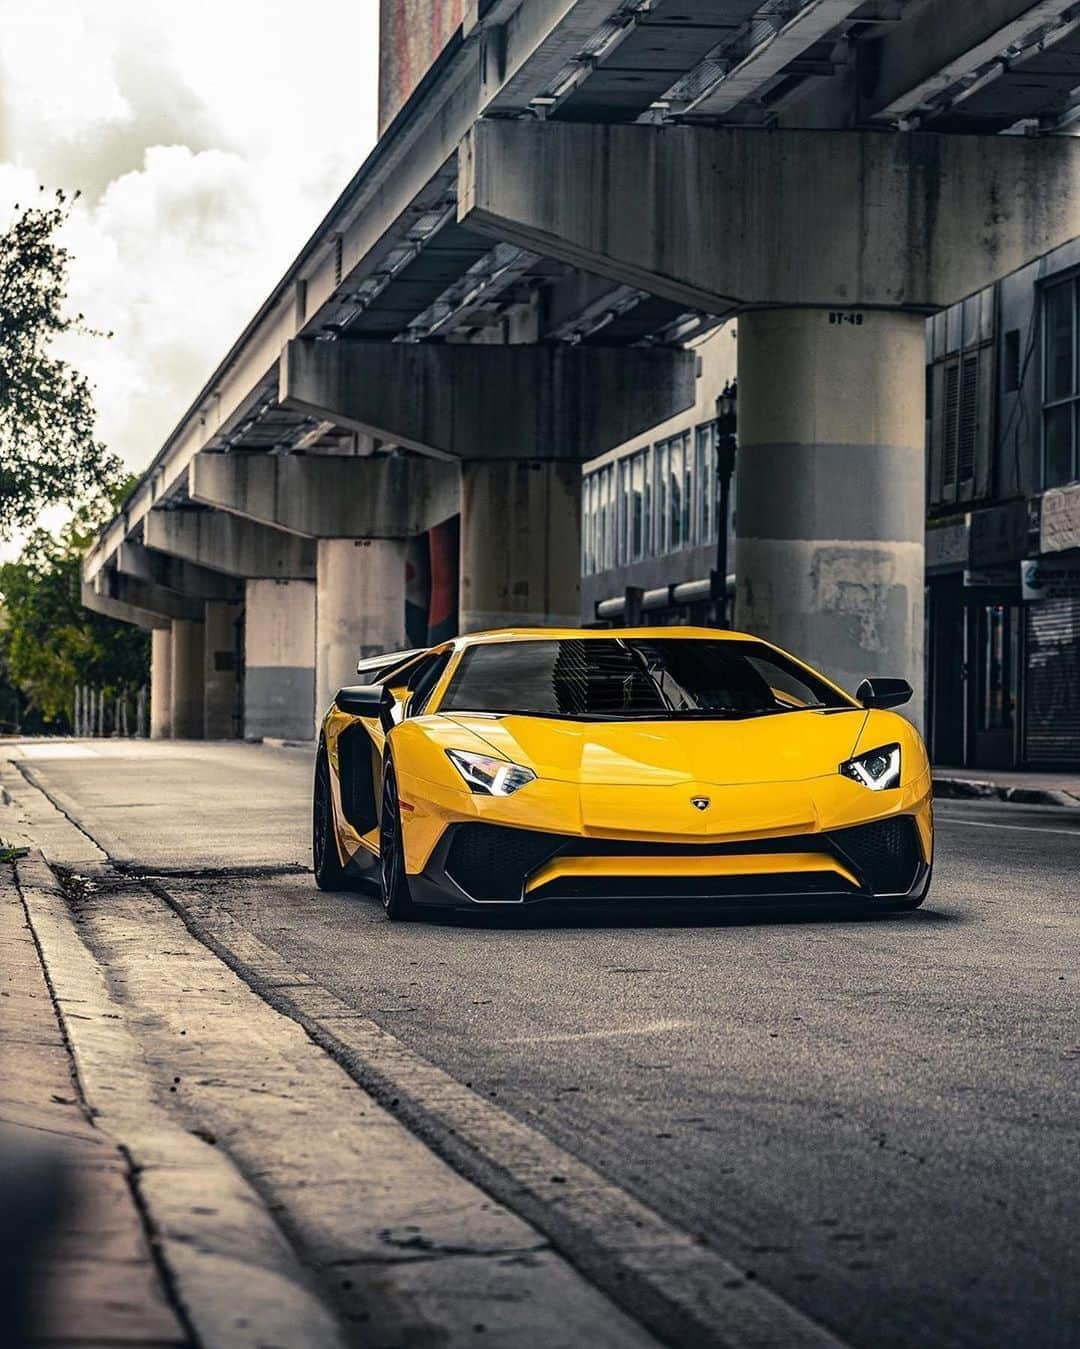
[
  {"x": 650, "y": 516},
  {"x": 1003, "y": 529},
  {"x": 1003, "y": 519}
]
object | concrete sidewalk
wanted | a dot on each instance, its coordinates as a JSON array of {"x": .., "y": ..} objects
[
  {"x": 1023, "y": 788},
  {"x": 78, "y": 1263}
]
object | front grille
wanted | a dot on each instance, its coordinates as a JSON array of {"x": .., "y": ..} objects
[
  {"x": 885, "y": 854},
  {"x": 493, "y": 862},
  {"x": 782, "y": 887}
]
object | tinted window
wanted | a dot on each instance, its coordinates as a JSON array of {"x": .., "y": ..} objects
[
  {"x": 616, "y": 677},
  {"x": 423, "y": 681}
]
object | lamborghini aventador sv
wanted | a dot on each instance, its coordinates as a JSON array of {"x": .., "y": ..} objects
[{"x": 662, "y": 764}]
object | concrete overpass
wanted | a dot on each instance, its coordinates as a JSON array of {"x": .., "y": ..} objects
[{"x": 572, "y": 191}]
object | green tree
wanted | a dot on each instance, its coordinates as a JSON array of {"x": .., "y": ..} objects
[
  {"x": 48, "y": 641},
  {"x": 48, "y": 452}
]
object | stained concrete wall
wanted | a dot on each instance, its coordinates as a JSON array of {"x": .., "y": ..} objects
[
  {"x": 187, "y": 680},
  {"x": 489, "y": 402},
  {"x": 220, "y": 677},
  {"x": 411, "y": 35},
  {"x": 831, "y": 491},
  {"x": 279, "y": 655},
  {"x": 520, "y": 544},
  {"x": 779, "y": 217},
  {"x": 360, "y": 608},
  {"x": 161, "y": 684}
]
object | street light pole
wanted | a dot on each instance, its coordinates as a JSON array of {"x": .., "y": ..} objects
[{"x": 726, "y": 440}]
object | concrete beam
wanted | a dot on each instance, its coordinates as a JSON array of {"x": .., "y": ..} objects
[
  {"x": 229, "y": 544},
  {"x": 123, "y": 613},
  {"x": 489, "y": 402},
  {"x": 147, "y": 597},
  {"x": 172, "y": 573},
  {"x": 329, "y": 497},
  {"x": 939, "y": 43},
  {"x": 822, "y": 218}
]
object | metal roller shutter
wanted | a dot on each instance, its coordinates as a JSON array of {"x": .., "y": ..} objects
[{"x": 1052, "y": 686}]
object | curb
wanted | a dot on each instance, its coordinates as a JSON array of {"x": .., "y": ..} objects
[
  {"x": 231, "y": 1270},
  {"x": 976, "y": 789}
]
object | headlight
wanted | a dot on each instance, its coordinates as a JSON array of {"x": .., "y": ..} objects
[
  {"x": 490, "y": 777},
  {"x": 877, "y": 769}
]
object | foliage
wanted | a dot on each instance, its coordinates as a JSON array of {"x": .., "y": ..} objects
[
  {"x": 48, "y": 641},
  {"x": 48, "y": 453}
]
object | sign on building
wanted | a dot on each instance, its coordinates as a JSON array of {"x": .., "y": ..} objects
[
  {"x": 1060, "y": 519},
  {"x": 1042, "y": 580}
]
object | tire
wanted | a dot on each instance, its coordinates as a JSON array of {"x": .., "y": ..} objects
[
  {"x": 329, "y": 873},
  {"x": 394, "y": 883}
]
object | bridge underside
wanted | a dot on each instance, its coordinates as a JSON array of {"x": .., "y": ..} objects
[{"x": 509, "y": 286}]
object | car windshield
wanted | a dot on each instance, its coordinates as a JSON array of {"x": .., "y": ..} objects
[{"x": 617, "y": 678}]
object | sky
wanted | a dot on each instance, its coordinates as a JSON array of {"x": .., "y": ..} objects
[{"x": 208, "y": 139}]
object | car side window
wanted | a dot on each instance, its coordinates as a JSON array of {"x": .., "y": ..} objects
[{"x": 423, "y": 681}]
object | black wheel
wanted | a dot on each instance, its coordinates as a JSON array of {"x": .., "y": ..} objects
[
  {"x": 329, "y": 873},
  {"x": 397, "y": 901}
]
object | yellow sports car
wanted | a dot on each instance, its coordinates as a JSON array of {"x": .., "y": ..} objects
[{"x": 509, "y": 768}]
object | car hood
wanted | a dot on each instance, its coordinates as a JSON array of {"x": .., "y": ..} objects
[{"x": 787, "y": 747}]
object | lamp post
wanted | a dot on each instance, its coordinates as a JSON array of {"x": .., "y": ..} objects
[{"x": 726, "y": 440}]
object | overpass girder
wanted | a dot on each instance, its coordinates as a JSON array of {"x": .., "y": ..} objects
[
  {"x": 818, "y": 218},
  {"x": 229, "y": 544},
  {"x": 174, "y": 574},
  {"x": 490, "y": 402},
  {"x": 329, "y": 496}
]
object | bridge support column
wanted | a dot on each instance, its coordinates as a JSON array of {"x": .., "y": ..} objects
[
  {"x": 830, "y": 486},
  {"x": 187, "y": 679},
  {"x": 161, "y": 684},
  {"x": 360, "y": 608},
  {"x": 220, "y": 691},
  {"x": 520, "y": 543},
  {"x": 279, "y": 660}
]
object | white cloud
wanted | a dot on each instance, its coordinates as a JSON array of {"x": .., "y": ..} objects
[{"x": 209, "y": 140}]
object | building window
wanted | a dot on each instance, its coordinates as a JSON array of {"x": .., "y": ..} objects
[
  {"x": 661, "y": 459},
  {"x": 622, "y": 501},
  {"x": 611, "y": 525},
  {"x": 1011, "y": 361},
  {"x": 637, "y": 506},
  {"x": 586, "y": 525},
  {"x": 705, "y": 468},
  {"x": 1061, "y": 393},
  {"x": 688, "y": 492},
  {"x": 674, "y": 494}
]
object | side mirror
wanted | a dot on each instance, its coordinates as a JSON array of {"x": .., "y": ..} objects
[
  {"x": 883, "y": 693},
  {"x": 364, "y": 700}
]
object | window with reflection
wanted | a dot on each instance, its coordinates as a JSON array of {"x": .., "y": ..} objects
[{"x": 1061, "y": 391}]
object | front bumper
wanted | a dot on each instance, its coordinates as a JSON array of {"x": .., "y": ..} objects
[{"x": 477, "y": 864}]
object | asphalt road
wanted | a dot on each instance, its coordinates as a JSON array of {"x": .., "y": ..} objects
[{"x": 878, "y": 1117}]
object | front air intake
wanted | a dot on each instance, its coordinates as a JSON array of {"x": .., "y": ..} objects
[
  {"x": 490, "y": 861},
  {"x": 885, "y": 854}
]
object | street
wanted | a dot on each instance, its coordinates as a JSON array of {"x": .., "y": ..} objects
[{"x": 874, "y": 1117}]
